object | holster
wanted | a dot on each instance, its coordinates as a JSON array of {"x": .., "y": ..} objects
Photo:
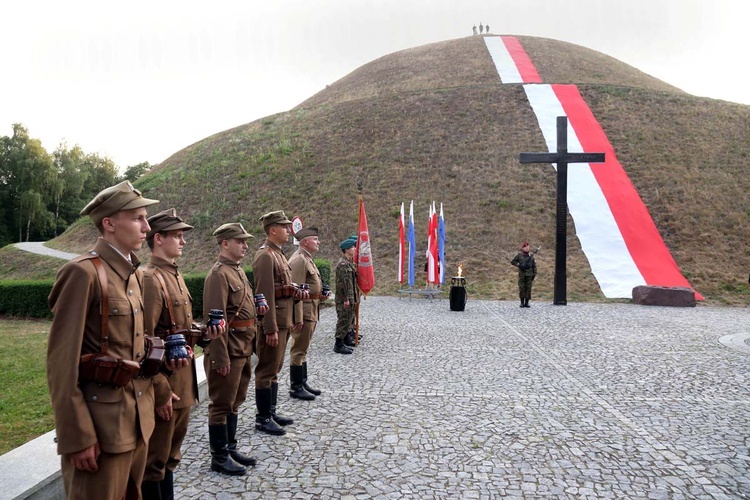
[
  {"x": 106, "y": 370},
  {"x": 155, "y": 352}
]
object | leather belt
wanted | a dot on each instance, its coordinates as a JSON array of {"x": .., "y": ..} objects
[{"x": 242, "y": 323}]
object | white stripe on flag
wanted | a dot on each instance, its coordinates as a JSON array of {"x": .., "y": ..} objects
[
  {"x": 600, "y": 237},
  {"x": 506, "y": 66}
]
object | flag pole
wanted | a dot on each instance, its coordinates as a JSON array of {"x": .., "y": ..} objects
[{"x": 356, "y": 284}]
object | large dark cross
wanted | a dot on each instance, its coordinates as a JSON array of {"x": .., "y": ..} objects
[{"x": 562, "y": 158}]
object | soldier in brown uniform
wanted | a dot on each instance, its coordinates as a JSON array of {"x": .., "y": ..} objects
[
  {"x": 168, "y": 309},
  {"x": 273, "y": 278},
  {"x": 104, "y": 417},
  {"x": 227, "y": 358},
  {"x": 304, "y": 270}
]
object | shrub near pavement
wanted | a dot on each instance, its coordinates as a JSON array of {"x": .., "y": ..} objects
[
  {"x": 25, "y": 298},
  {"x": 28, "y": 299}
]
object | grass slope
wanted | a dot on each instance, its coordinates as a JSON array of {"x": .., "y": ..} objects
[{"x": 434, "y": 123}]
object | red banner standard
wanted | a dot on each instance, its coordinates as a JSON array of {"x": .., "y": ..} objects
[{"x": 365, "y": 271}]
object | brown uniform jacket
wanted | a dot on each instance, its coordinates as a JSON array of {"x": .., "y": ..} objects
[
  {"x": 157, "y": 321},
  {"x": 87, "y": 413},
  {"x": 304, "y": 270},
  {"x": 271, "y": 270},
  {"x": 227, "y": 288}
]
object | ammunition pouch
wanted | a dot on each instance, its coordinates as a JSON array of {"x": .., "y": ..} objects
[
  {"x": 106, "y": 370},
  {"x": 285, "y": 291},
  {"x": 155, "y": 351}
]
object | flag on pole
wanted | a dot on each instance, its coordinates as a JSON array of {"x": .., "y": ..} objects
[
  {"x": 365, "y": 271},
  {"x": 432, "y": 263},
  {"x": 441, "y": 247},
  {"x": 412, "y": 244},
  {"x": 401, "y": 246}
]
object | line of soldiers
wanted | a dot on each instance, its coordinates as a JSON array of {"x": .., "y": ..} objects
[{"x": 120, "y": 426}]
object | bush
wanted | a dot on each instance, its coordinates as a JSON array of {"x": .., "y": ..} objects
[
  {"x": 29, "y": 298},
  {"x": 25, "y": 298}
]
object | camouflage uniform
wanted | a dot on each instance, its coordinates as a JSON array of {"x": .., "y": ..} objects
[
  {"x": 526, "y": 274},
  {"x": 346, "y": 289}
]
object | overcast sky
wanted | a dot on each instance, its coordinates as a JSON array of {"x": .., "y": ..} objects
[{"x": 138, "y": 81}]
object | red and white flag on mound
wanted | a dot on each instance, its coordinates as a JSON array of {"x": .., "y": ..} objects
[
  {"x": 365, "y": 271},
  {"x": 617, "y": 233},
  {"x": 512, "y": 63}
]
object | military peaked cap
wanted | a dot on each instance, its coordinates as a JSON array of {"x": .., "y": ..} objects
[
  {"x": 277, "y": 217},
  {"x": 305, "y": 232},
  {"x": 232, "y": 230},
  {"x": 108, "y": 202},
  {"x": 164, "y": 221}
]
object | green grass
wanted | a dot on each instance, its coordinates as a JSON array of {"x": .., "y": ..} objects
[{"x": 25, "y": 410}]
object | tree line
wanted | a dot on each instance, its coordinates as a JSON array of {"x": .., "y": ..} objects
[{"x": 41, "y": 194}]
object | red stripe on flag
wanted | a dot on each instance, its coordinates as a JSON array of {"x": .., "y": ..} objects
[
  {"x": 365, "y": 271},
  {"x": 526, "y": 68},
  {"x": 645, "y": 244}
]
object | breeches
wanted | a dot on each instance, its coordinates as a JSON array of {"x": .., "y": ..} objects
[
  {"x": 270, "y": 359},
  {"x": 301, "y": 343},
  {"x": 165, "y": 443},
  {"x": 227, "y": 393},
  {"x": 119, "y": 476}
]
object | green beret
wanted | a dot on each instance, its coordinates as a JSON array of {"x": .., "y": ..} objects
[{"x": 348, "y": 243}]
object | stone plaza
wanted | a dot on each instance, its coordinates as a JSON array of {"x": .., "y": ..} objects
[{"x": 580, "y": 401}]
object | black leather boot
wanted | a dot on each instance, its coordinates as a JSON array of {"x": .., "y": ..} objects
[
  {"x": 316, "y": 392},
  {"x": 281, "y": 420},
  {"x": 166, "y": 485},
  {"x": 232, "y": 443},
  {"x": 150, "y": 490},
  {"x": 526, "y": 303},
  {"x": 523, "y": 303},
  {"x": 297, "y": 389},
  {"x": 221, "y": 461},
  {"x": 349, "y": 339},
  {"x": 264, "y": 421},
  {"x": 340, "y": 348}
]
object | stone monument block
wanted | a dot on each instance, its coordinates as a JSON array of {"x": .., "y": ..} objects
[{"x": 663, "y": 296}]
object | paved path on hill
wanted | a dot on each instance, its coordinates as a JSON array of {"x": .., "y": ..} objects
[
  {"x": 576, "y": 401},
  {"x": 39, "y": 248}
]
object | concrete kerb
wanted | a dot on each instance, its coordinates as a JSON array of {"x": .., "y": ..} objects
[{"x": 32, "y": 471}]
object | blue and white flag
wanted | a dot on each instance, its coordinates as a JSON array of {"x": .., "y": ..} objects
[{"x": 441, "y": 246}]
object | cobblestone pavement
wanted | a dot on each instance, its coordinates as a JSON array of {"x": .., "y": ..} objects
[{"x": 576, "y": 401}]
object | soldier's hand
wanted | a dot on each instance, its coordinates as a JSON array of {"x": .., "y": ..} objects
[
  {"x": 214, "y": 331},
  {"x": 165, "y": 411},
  {"x": 272, "y": 339},
  {"x": 176, "y": 364},
  {"x": 297, "y": 327},
  {"x": 346, "y": 304},
  {"x": 260, "y": 311},
  {"x": 85, "y": 459},
  {"x": 223, "y": 371}
]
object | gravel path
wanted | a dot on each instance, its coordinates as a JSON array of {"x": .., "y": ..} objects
[
  {"x": 576, "y": 401},
  {"x": 38, "y": 247}
]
